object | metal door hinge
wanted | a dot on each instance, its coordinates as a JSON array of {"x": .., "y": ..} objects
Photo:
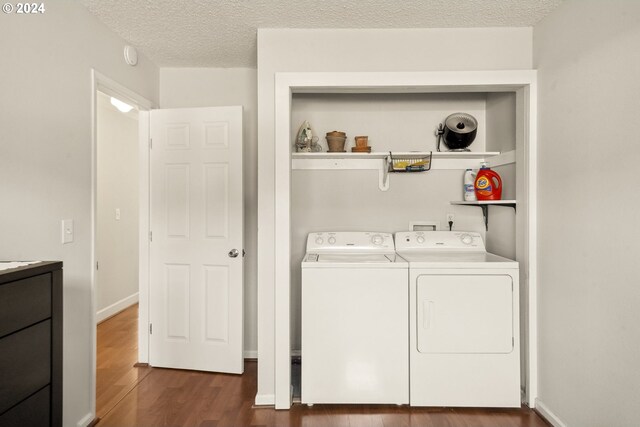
[
  {"x": 151, "y": 236},
  {"x": 96, "y": 265},
  {"x": 150, "y": 328},
  {"x": 150, "y": 143}
]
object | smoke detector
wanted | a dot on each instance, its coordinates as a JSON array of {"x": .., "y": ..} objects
[{"x": 130, "y": 55}]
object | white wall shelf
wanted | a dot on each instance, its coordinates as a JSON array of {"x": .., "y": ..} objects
[
  {"x": 484, "y": 205},
  {"x": 510, "y": 203},
  {"x": 378, "y": 161},
  {"x": 454, "y": 155}
]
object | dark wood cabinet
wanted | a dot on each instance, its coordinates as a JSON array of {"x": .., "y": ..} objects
[{"x": 31, "y": 345}]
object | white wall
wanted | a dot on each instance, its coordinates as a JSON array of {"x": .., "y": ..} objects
[
  {"x": 45, "y": 159},
  {"x": 589, "y": 62},
  {"x": 211, "y": 87},
  {"x": 353, "y": 50},
  {"x": 117, "y": 239}
]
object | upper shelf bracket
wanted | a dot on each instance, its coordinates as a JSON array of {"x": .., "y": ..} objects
[{"x": 383, "y": 175}]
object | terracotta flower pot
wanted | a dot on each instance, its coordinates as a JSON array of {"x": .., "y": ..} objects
[
  {"x": 336, "y": 143},
  {"x": 337, "y": 133},
  {"x": 361, "y": 141}
]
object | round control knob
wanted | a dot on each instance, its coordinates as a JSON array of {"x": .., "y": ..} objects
[
  {"x": 466, "y": 239},
  {"x": 420, "y": 239},
  {"x": 377, "y": 239},
  {"x": 332, "y": 240},
  {"x": 319, "y": 240}
]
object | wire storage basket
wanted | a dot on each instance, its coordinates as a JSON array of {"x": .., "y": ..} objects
[{"x": 407, "y": 162}]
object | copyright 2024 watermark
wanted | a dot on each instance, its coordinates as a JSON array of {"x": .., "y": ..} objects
[{"x": 24, "y": 8}]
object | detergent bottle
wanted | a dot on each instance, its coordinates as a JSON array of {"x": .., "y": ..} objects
[
  {"x": 488, "y": 184},
  {"x": 469, "y": 191}
]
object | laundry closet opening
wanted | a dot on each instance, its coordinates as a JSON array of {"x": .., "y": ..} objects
[{"x": 338, "y": 192}]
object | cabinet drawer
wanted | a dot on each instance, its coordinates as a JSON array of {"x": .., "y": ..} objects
[
  {"x": 24, "y": 302},
  {"x": 25, "y": 363},
  {"x": 33, "y": 412}
]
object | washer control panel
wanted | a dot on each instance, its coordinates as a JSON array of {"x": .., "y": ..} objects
[
  {"x": 350, "y": 241},
  {"x": 455, "y": 240}
]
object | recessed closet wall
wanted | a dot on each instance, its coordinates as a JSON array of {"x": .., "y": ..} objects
[{"x": 350, "y": 200}]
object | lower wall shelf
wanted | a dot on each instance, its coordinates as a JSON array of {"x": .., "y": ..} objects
[{"x": 484, "y": 205}]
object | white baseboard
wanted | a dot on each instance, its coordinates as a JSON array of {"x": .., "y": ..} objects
[
  {"x": 548, "y": 414},
  {"x": 84, "y": 422},
  {"x": 116, "y": 307},
  {"x": 265, "y": 399}
]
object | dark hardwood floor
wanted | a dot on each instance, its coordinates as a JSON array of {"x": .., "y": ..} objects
[
  {"x": 117, "y": 352},
  {"x": 154, "y": 397}
]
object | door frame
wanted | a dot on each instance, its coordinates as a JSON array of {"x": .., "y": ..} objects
[{"x": 102, "y": 83}]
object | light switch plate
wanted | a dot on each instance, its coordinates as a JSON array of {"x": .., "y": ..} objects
[{"x": 67, "y": 231}]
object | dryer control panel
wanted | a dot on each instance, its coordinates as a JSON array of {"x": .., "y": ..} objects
[
  {"x": 350, "y": 242},
  {"x": 439, "y": 240}
]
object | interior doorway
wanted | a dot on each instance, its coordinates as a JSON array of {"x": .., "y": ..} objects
[
  {"x": 120, "y": 212},
  {"x": 117, "y": 248},
  {"x": 117, "y": 211}
]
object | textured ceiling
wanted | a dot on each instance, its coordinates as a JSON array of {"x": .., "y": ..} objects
[{"x": 222, "y": 33}]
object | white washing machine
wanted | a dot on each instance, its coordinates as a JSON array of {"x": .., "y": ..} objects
[
  {"x": 355, "y": 335},
  {"x": 464, "y": 321}
]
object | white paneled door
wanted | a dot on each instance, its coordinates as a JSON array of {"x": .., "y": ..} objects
[{"x": 196, "y": 249}]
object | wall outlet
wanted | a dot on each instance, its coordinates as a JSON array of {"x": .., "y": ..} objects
[
  {"x": 450, "y": 218},
  {"x": 117, "y": 214}
]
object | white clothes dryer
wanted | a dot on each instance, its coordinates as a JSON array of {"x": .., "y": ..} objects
[
  {"x": 354, "y": 320},
  {"x": 464, "y": 321}
]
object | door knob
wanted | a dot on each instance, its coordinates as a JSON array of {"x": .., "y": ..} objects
[{"x": 233, "y": 253}]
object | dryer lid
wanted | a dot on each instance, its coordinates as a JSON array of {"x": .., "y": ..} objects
[{"x": 454, "y": 259}]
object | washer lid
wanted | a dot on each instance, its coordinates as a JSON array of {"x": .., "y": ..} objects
[
  {"x": 366, "y": 258},
  {"x": 323, "y": 260}
]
